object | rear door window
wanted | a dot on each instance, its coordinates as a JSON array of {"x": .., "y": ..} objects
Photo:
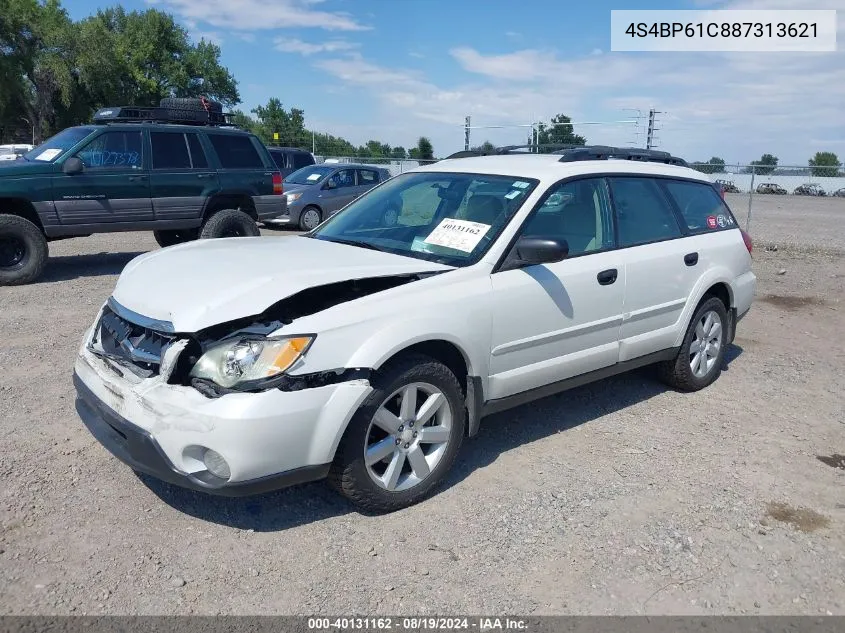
[
  {"x": 198, "y": 158},
  {"x": 701, "y": 207},
  {"x": 367, "y": 177},
  {"x": 170, "y": 151},
  {"x": 643, "y": 213},
  {"x": 236, "y": 151}
]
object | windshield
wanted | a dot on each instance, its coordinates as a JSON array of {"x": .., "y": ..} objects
[
  {"x": 310, "y": 175},
  {"x": 450, "y": 218},
  {"x": 55, "y": 146}
]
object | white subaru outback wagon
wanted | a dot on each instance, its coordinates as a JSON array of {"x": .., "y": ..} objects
[{"x": 365, "y": 350}]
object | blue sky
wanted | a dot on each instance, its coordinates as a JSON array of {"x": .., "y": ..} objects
[{"x": 397, "y": 69}]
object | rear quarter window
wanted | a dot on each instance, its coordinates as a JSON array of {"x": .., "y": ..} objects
[
  {"x": 236, "y": 151},
  {"x": 702, "y": 209}
]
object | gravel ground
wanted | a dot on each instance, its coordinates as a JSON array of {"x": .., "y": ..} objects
[{"x": 619, "y": 497}]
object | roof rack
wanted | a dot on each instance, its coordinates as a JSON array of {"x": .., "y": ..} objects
[
  {"x": 571, "y": 153},
  {"x": 135, "y": 114}
]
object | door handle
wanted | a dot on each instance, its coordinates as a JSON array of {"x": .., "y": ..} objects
[
  {"x": 691, "y": 259},
  {"x": 607, "y": 277},
  {"x": 134, "y": 178},
  {"x": 204, "y": 175}
]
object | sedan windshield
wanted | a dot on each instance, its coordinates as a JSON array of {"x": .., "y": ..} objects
[
  {"x": 310, "y": 175},
  {"x": 450, "y": 218},
  {"x": 55, "y": 146}
]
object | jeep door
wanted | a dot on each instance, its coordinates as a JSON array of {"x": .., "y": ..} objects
[
  {"x": 559, "y": 320},
  {"x": 181, "y": 180},
  {"x": 114, "y": 185}
]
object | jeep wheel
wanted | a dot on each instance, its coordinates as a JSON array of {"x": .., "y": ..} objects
[
  {"x": 229, "y": 223},
  {"x": 176, "y": 236},
  {"x": 403, "y": 439},
  {"x": 699, "y": 361},
  {"x": 23, "y": 251}
]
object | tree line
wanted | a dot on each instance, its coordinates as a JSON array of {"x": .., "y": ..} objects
[
  {"x": 56, "y": 72},
  {"x": 823, "y": 164}
]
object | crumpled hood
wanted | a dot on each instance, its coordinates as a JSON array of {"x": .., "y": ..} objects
[{"x": 206, "y": 282}]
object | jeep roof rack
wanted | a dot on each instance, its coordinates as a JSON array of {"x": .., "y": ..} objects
[
  {"x": 136, "y": 114},
  {"x": 572, "y": 153}
]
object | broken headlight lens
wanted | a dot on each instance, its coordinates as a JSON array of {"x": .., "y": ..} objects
[{"x": 242, "y": 360}]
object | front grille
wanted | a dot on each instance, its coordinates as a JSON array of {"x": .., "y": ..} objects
[{"x": 138, "y": 348}]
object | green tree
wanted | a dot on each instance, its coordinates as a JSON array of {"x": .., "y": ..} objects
[
  {"x": 560, "y": 132},
  {"x": 766, "y": 165},
  {"x": 398, "y": 152},
  {"x": 825, "y": 164},
  {"x": 486, "y": 146},
  {"x": 713, "y": 166},
  {"x": 289, "y": 124},
  {"x": 425, "y": 149}
]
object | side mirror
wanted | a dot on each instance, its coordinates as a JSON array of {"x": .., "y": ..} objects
[
  {"x": 530, "y": 251},
  {"x": 72, "y": 166}
]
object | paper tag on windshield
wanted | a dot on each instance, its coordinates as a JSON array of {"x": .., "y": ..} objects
[
  {"x": 48, "y": 154},
  {"x": 460, "y": 235},
  {"x": 313, "y": 177}
]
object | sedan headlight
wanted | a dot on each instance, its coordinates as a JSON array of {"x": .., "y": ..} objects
[
  {"x": 293, "y": 197},
  {"x": 250, "y": 360}
]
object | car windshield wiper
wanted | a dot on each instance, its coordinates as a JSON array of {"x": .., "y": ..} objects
[{"x": 372, "y": 247}]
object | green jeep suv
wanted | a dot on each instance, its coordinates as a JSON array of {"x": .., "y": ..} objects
[{"x": 182, "y": 173}]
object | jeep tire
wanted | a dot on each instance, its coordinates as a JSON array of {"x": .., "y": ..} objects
[
  {"x": 23, "y": 251},
  {"x": 175, "y": 236},
  {"x": 229, "y": 223}
]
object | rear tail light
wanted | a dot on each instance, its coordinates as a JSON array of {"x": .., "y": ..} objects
[
  {"x": 277, "y": 183},
  {"x": 747, "y": 239}
]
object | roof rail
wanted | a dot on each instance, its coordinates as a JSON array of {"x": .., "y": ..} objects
[
  {"x": 604, "y": 152},
  {"x": 570, "y": 153},
  {"x": 136, "y": 114}
]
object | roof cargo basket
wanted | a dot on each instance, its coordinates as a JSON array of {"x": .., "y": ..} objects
[{"x": 170, "y": 114}]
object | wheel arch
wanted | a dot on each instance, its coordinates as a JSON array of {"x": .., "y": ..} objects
[
  {"x": 230, "y": 200},
  {"x": 716, "y": 283},
  {"x": 22, "y": 208}
]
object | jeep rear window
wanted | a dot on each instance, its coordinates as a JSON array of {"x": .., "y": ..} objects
[
  {"x": 236, "y": 151},
  {"x": 170, "y": 151},
  {"x": 55, "y": 146}
]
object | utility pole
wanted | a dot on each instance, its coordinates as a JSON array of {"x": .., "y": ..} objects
[
  {"x": 466, "y": 134},
  {"x": 652, "y": 116}
]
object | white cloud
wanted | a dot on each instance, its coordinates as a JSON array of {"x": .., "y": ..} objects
[
  {"x": 288, "y": 45},
  {"x": 256, "y": 14},
  {"x": 416, "y": 55}
]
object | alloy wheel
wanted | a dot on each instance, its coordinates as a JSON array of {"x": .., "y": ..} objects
[{"x": 705, "y": 346}]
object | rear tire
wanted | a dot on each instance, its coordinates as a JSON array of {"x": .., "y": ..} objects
[
  {"x": 23, "y": 251},
  {"x": 699, "y": 360},
  {"x": 420, "y": 456},
  {"x": 175, "y": 236},
  {"x": 229, "y": 223}
]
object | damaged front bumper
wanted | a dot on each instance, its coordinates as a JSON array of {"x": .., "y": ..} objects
[{"x": 269, "y": 440}]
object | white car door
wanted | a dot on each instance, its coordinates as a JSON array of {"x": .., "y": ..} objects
[
  {"x": 657, "y": 258},
  {"x": 555, "y": 321}
]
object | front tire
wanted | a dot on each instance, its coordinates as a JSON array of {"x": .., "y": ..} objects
[
  {"x": 699, "y": 361},
  {"x": 310, "y": 218},
  {"x": 175, "y": 236},
  {"x": 403, "y": 439},
  {"x": 23, "y": 251},
  {"x": 229, "y": 223}
]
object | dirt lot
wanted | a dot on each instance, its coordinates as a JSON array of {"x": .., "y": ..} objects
[{"x": 621, "y": 497}]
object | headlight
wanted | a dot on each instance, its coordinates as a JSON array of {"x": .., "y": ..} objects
[
  {"x": 292, "y": 197},
  {"x": 247, "y": 360}
]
